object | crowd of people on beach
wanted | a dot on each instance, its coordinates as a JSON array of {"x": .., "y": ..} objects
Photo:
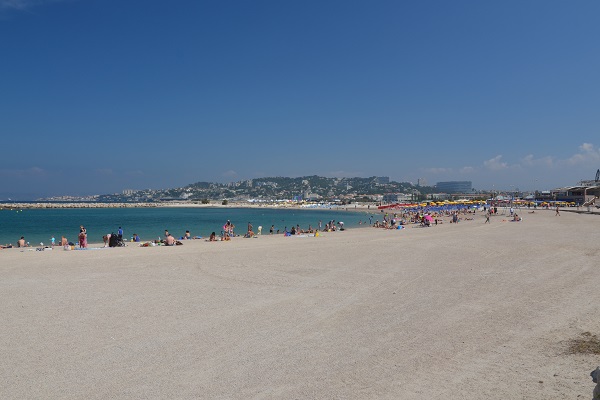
[
  {"x": 399, "y": 219},
  {"x": 227, "y": 233},
  {"x": 423, "y": 218},
  {"x": 23, "y": 243}
]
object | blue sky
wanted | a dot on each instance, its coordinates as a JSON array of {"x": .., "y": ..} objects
[{"x": 97, "y": 96}]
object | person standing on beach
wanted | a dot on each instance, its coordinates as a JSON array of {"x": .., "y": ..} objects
[
  {"x": 120, "y": 233},
  {"x": 272, "y": 229},
  {"x": 228, "y": 228},
  {"x": 557, "y": 212},
  {"x": 487, "y": 218},
  {"x": 82, "y": 237}
]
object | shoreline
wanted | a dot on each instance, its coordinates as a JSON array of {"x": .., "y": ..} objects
[
  {"x": 445, "y": 220},
  {"x": 77, "y": 205},
  {"x": 149, "y": 223}
]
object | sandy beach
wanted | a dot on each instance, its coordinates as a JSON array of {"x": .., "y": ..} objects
[{"x": 456, "y": 311}]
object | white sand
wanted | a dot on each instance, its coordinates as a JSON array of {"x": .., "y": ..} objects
[{"x": 457, "y": 311}]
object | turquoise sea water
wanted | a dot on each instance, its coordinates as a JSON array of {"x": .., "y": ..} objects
[{"x": 39, "y": 225}]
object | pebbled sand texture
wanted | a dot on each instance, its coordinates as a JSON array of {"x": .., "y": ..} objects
[{"x": 456, "y": 311}]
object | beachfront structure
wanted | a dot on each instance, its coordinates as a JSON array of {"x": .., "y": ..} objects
[
  {"x": 586, "y": 191},
  {"x": 577, "y": 194},
  {"x": 457, "y": 196},
  {"x": 454, "y": 186},
  {"x": 389, "y": 198}
]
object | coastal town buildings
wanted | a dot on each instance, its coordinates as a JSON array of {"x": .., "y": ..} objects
[{"x": 583, "y": 193}]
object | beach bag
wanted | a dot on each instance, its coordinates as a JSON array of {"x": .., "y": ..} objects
[{"x": 113, "y": 241}]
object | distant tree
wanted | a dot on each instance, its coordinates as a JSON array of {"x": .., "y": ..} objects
[
  {"x": 205, "y": 201},
  {"x": 225, "y": 202}
]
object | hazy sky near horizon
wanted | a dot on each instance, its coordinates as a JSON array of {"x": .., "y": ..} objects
[{"x": 97, "y": 96}]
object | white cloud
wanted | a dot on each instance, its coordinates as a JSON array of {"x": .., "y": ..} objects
[
  {"x": 229, "y": 174},
  {"x": 587, "y": 153},
  {"x": 530, "y": 170},
  {"x": 36, "y": 171},
  {"x": 530, "y": 161},
  {"x": 495, "y": 164}
]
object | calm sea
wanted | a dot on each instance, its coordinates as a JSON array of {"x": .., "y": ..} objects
[{"x": 39, "y": 225}]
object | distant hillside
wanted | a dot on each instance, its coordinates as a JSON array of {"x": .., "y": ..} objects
[{"x": 275, "y": 188}]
